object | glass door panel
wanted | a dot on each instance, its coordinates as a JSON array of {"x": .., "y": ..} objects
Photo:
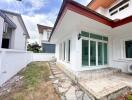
[
  {"x": 100, "y": 53},
  {"x": 105, "y": 53},
  {"x": 85, "y": 51},
  {"x": 92, "y": 53}
]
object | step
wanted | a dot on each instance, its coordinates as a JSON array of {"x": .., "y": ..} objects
[{"x": 97, "y": 74}]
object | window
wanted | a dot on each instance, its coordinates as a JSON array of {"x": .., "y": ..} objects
[
  {"x": 92, "y": 53},
  {"x": 69, "y": 49},
  {"x": 125, "y": 6},
  {"x": 85, "y": 52},
  {"x": 94, "y": 50},
  {"x": 100, "y": 53},
  {"x": 5, "y": 43},
  {"x": 118, "y": 5},
  {"x": 128, "y": 47},
  {"x": 97, "y": 55},
  {"x": 94, "y": 36},
  {"x": 105, "y": 53},
  {"x": 64, "y": 51},
  {"x": 114, "y": 13}
]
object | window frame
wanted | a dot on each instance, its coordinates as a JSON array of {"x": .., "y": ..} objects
[
  {"x": 64, "y": 50},
  {"x": 97, "y": 41},
  {"x": 69, "y": 50},
  {"x": 125, "y": 49}
]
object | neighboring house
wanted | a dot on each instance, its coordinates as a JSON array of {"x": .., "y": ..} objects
[
  {"x": 44, "y": 34},
  {"x": 91, "y": 37},
  {"x": 113, "y": 9},
  {"x": 13, "y": 45},
  {"x": 14, "y": 34}
]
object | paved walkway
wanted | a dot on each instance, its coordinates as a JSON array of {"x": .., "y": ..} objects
[{"x": 64, "y": 86}]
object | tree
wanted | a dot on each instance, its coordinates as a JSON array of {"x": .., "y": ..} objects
[{"x": 34, "y": 47}]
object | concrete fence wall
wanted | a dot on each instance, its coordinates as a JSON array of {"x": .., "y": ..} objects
[
  {"x": 42, "y": 56},
  {"x": 12, "y": 61}
]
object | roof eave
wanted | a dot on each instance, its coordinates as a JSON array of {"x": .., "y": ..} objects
[
  {"x": 7, "y": 20},
  {"x": 19, "y": 15},
  {"x": 89, "y": 13}
]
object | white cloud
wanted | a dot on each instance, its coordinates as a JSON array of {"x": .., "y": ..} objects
[
  {"x": 9, "y": 1},
  {"x": 83, "y": 2},
  {"x": 38, "y": 4}
]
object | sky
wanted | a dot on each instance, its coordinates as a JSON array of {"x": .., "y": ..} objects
[{"x": 35, "y": 12}]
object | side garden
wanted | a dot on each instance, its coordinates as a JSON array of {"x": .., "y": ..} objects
[{"x": 32, "y": 83}]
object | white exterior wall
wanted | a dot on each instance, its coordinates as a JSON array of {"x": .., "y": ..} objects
[
  {"x": 72, "y": 65},
  {"x": 1, "y": 29},
  {"x": 11, "y": 62},
  {"x": 80, "y": 23},
  {"x": 117, "y": 47},
  {"x": 120, "y": 15},
  {"x": 66, "y": 31},
  {"x": 42, "y": 56},
  {"x": 45, "y": 35},
  {"x": 40, "y": 38},
  {"x": 18, "y": 37}
]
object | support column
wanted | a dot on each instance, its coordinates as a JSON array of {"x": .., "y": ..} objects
[{"x": 1, "y": 30}]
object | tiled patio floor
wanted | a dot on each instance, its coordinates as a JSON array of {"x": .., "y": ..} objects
[
  {"x": 105, "y": 86},
  {"x": 101, "y": 84}
]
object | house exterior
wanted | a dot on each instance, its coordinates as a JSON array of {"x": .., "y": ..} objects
[
  {"x": 44, "y": 34},
  {"x": 13, "y": 31},
  {"x": 13, "y": 45},
  {"x": 94, "y": 36}
]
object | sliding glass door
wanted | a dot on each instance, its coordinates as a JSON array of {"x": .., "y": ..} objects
[{"x": 94, "y": 53}]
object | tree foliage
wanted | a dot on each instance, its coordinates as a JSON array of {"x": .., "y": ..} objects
[{"x": 34, "y": 47}]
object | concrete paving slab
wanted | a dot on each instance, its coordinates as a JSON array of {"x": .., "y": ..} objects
[{"x": 105, "y": 86}]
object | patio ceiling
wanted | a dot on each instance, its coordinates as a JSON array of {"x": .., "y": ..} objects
[{"x": 100, "y": 3}]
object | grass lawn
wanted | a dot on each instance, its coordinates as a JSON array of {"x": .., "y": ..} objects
[{"x": 35, "y": 84}]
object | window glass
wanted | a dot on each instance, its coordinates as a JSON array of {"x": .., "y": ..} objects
[
  {"x": 69, "y": 49},
  {"x": 128, "y": 46},
  {"x": 85, "y": 34},
  {"x": 125, "y": 6},
  {"x": 100, "y": 53},
  {"x": 105, "y": 38},
  {"x": 85, "y": 52},
  {"x": 64, "y": 51},
  {"x": 94, "y": 36},
  {"x": 105, "y": 53},
  {"x": 92, "y": 53}
]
